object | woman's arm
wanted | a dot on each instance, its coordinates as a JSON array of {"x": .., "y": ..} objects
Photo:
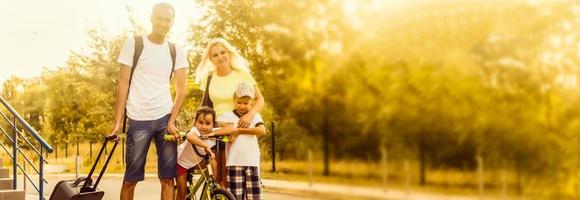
[
  {"x": 245, "y": 120},
  {"x": 258, "y": 131},
  {"x": 257, "y": 107}
]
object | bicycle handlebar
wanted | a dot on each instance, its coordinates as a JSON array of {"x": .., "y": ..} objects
[
  {"x": 222, "y": 138},
  {"x": 169, "y": 137}
]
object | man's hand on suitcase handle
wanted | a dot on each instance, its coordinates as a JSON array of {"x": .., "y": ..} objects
[
  {"x": 78, "y": 181},
  {"x": 114, "y": 137}
]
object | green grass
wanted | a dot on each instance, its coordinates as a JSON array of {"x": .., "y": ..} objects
[{"x": 358, "y": 173}]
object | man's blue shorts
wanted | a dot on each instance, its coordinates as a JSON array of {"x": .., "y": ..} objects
[{"x": 139, "y": 138}]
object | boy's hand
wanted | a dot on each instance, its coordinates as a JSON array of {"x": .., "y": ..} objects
[
  {"x": 233, "y": 138},
  {"x": 233, "y": 134}
]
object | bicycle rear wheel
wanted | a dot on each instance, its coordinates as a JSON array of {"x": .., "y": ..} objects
[{"x": 222, "y": 194}]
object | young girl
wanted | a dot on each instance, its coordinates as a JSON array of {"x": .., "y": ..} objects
[{"x": 186, "y": 157}]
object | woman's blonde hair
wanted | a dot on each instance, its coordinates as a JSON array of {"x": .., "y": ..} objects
[{"x": 238, "y": 62}]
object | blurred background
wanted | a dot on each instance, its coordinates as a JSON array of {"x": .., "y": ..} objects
[{"x": 466, "y": 97}]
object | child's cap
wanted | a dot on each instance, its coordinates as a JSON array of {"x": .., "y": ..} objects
[{"x": 245, "y": 89}]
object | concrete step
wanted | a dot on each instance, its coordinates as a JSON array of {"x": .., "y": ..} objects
[
  {"x": 4, "y": 172},
  {"x": 6, "y": 184},
  {"x": 6, "y": 190},
  {"x": 12, "y": 195}
]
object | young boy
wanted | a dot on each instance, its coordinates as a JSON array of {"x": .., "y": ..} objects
[
  {"x": 243, "y": 158},
  {"x": 186, "y": 157}
]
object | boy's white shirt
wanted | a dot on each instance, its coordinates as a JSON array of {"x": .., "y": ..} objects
[
  {"x": 244, "y": 151},
  {"x": 186, "y": 157}
]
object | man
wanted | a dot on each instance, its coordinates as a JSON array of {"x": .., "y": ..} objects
[{"x": 147, "y": 101}]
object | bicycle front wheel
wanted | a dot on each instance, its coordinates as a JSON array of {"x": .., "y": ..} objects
[{"x": 222, "y": 194}]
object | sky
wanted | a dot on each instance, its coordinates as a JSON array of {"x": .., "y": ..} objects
[{"x": 39, "y": 34}]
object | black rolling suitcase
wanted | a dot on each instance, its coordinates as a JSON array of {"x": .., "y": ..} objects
[{"x": 83, "y": 187}]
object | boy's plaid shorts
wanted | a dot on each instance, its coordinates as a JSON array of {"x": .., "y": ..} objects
[{"x": 244, "y": 181}]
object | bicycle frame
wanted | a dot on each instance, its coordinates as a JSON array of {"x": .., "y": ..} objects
[{"x": 206, "y": 180}]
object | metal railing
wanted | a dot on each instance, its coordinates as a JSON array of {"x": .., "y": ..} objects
[{"x": 14, "y": 122}]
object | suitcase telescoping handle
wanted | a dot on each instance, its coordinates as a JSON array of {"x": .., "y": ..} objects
[{"x": 86, "y": 186}]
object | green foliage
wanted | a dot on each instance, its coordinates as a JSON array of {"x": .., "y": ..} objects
[{"x": 447, "y": 80}]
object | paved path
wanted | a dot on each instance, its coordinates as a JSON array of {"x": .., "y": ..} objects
[
  {"x": 274, "y": 189},
  {"x": 145, "y": 190}
]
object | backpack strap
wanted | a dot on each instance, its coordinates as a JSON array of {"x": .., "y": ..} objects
[
  {"x": 136, "y": 55},
  {"x": 173, "y": 55},
  {"x": 206, "y": 101}
]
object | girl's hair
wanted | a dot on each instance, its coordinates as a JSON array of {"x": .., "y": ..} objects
[
  {"x": 238, "y": 62},
  {"x": 203, "y": 111}
]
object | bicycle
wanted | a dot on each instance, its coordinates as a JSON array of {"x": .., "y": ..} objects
[{"x": 211, "y": 189}]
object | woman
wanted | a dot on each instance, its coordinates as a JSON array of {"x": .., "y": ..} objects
[{"x": 227, "y": 69}]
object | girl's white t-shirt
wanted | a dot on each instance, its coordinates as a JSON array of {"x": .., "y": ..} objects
[{"x": 186, "y": 156}]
